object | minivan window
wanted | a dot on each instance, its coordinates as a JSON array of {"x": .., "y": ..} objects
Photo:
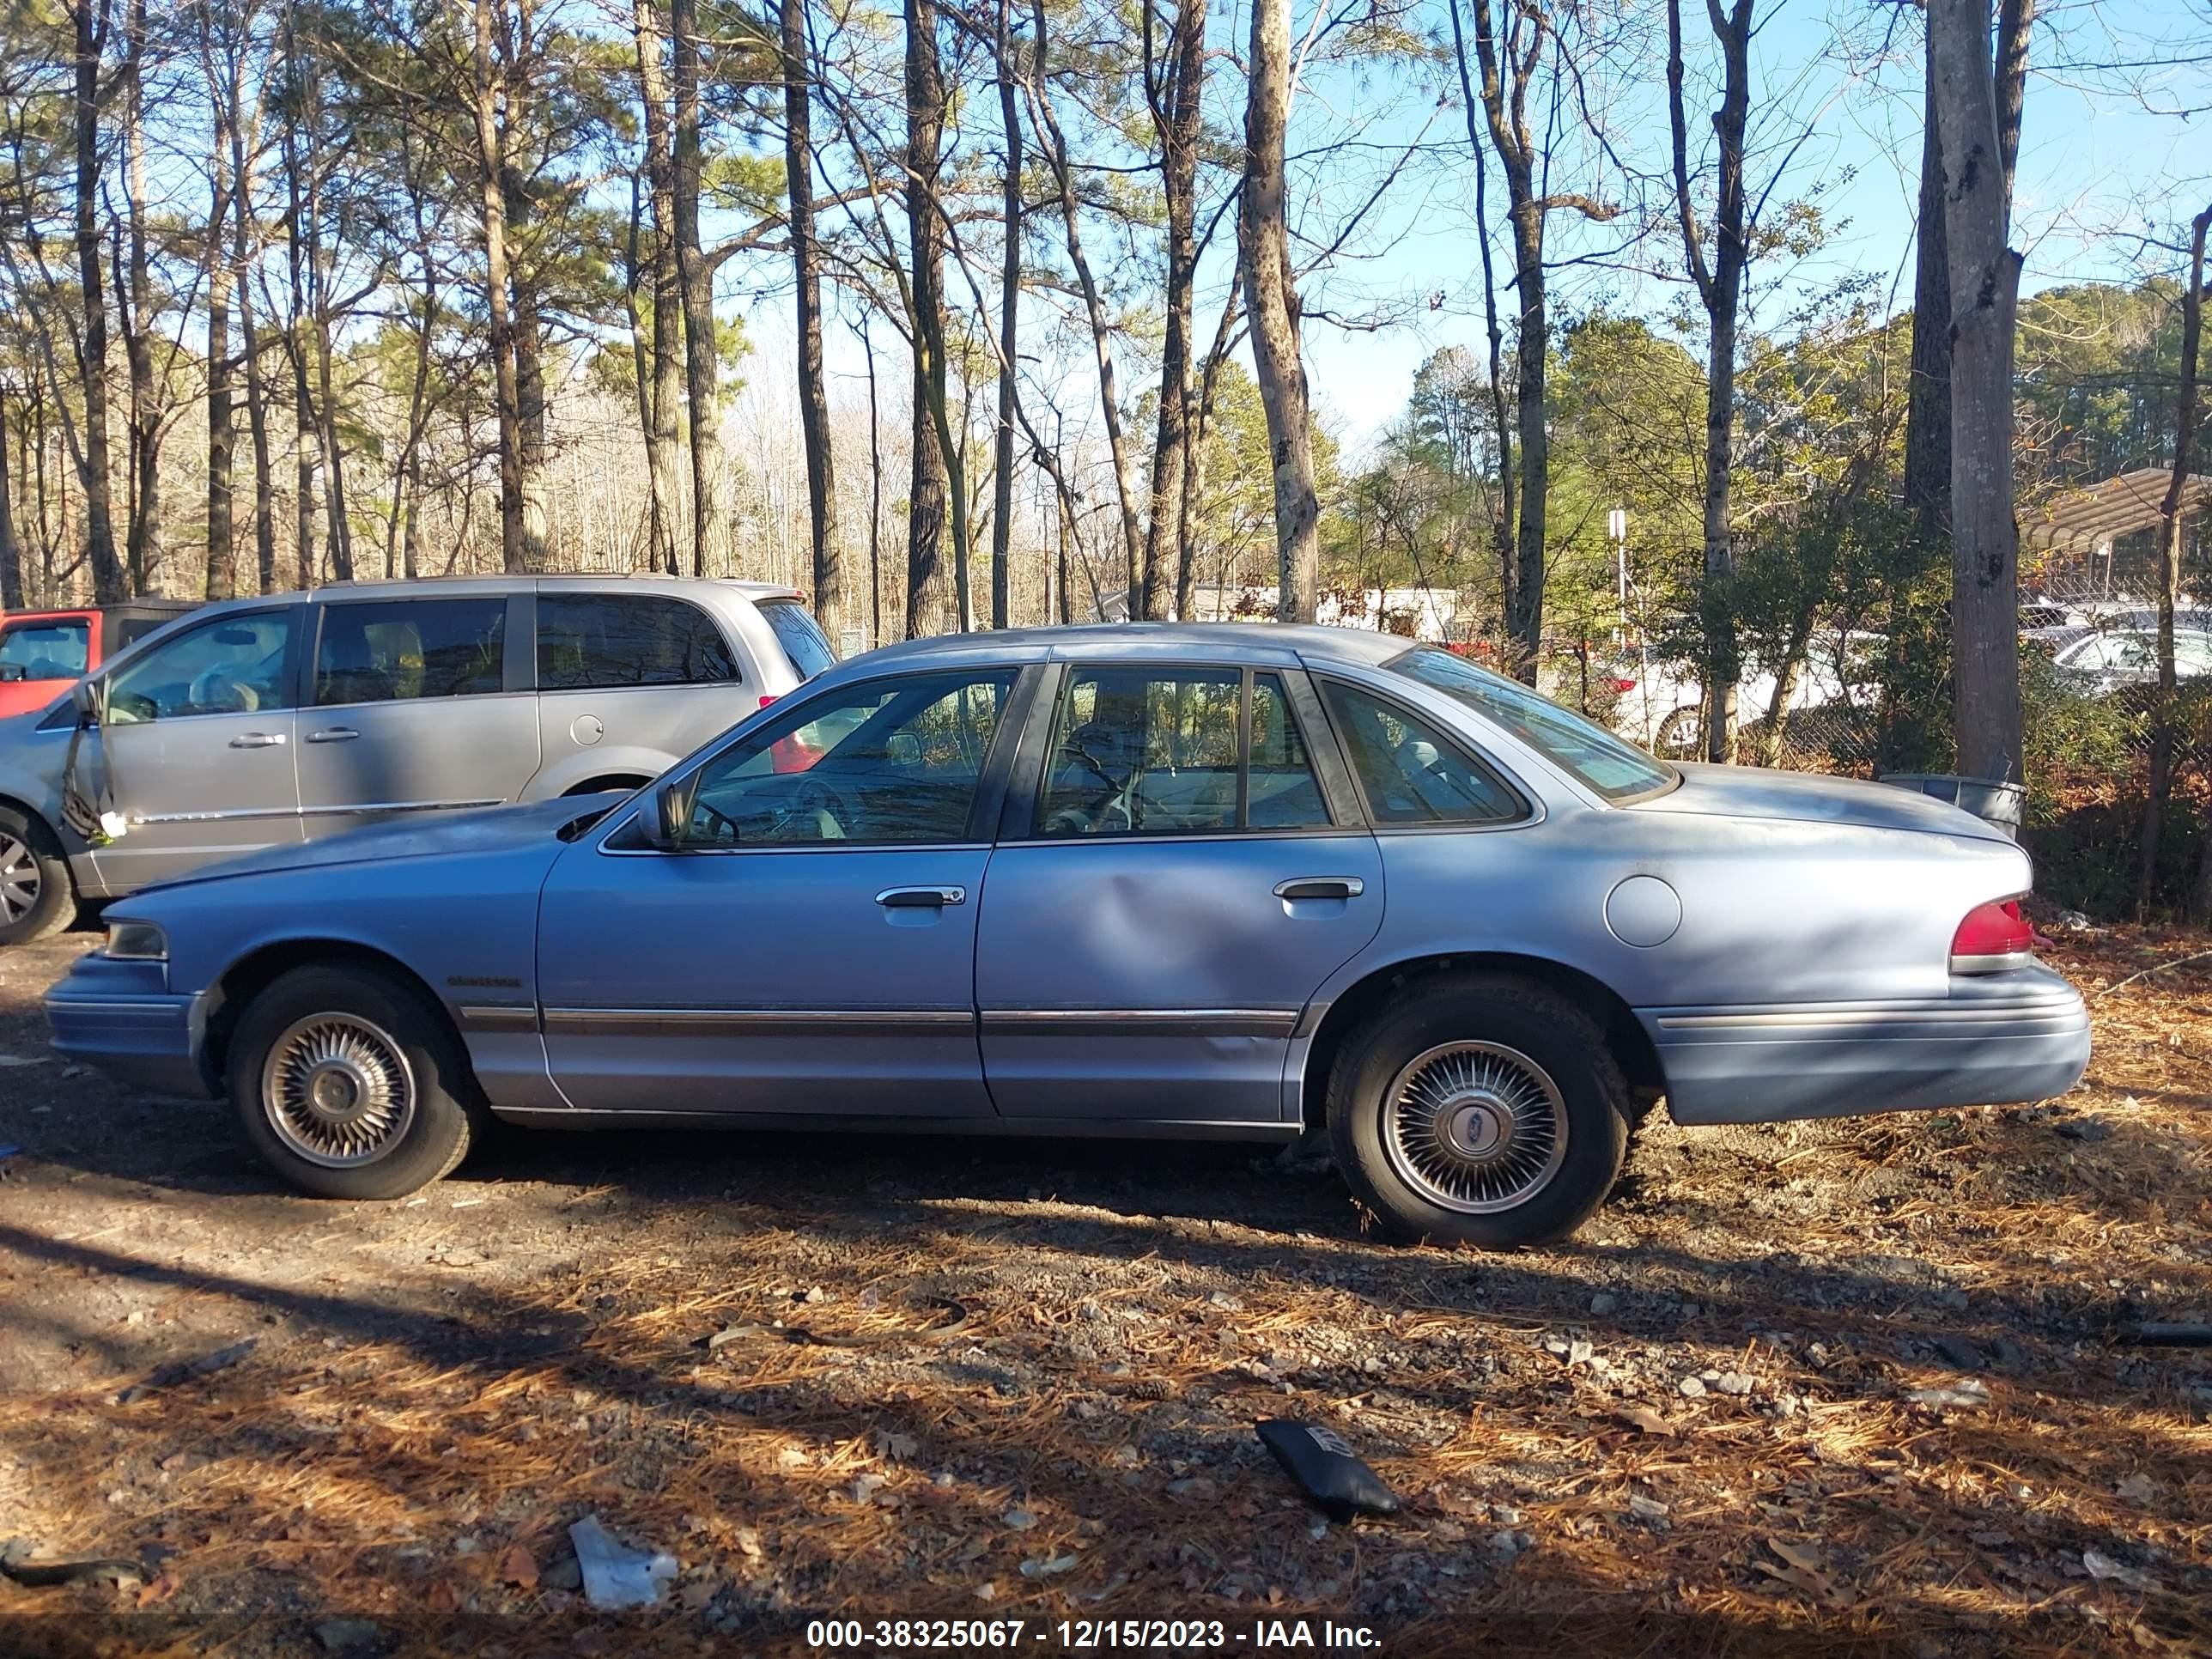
[
  {"x": 54, "y": 650},
  {"x": 588, "y": 641},
  {"x": 800, "y": 635},
  {"x": 403, "y": 650},
  {"x": 229, "y": 664},
  {"x": 1603, "y": 763}
]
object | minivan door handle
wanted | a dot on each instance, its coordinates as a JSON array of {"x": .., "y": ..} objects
[
  {"x": 333, "y": 734},
  {"x": 915, "y": 898},
  {"x": 1320, "y": 887},
  {"x": 257, "y": 740}
]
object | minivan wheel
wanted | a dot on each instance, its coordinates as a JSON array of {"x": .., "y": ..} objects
[
  {"x": 36, "y": 898},
  {"x": 348, "y": 1086},
  {"x": 1480, "y": 1110}
]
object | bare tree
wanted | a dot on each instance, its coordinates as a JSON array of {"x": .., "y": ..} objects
[
  {"x": 1271, "y": 296},
  {"x": 2172, "y": 512},
  {"x": 1984, "y": 300},
  {"x": 829, "y": 596},
  {"x": 1010, "y": 316},
  {"x": 930, "y": 491},
  {"x": 490, "y": 99},
  {"x": 701, "y": 365},
  {"x": 1719, "y": 281},
  {"x": 661, "y": 389},
  {"x": 11, "y": 555},
  {"x": 1175, "y": 92},
  {"x": 1510, "y": 58},
  {"x": 91, "y": 18}
]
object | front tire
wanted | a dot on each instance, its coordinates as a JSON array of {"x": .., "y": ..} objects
[
  {"x": 36, "y": 895},
  {"x": 1480, "y": 1109},
  {"x": 348, "y": 1084}
]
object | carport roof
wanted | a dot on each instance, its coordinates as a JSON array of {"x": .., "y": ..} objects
[{"x": 2096, "y": 513}]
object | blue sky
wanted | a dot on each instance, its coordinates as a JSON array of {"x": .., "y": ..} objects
[{"x": 2106, "y": 156}]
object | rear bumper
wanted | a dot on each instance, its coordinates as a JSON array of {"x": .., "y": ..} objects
[
  {"x": 107, "y": 1014},
  {"x": 1997, "y": 1039}
]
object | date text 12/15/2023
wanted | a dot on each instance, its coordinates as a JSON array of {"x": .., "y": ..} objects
[{"x": 1089, "y": 1635}]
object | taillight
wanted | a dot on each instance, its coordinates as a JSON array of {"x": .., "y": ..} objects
[
  {"x": 1992, "y": 937},
  {"x": 1624, "y": 685},
  {"x": 767, "y": 700}
]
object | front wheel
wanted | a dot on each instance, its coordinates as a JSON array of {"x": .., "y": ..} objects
[
  {"x": 36, "y": 898},
  {"x": 349, "y": 1086},
  {"x": 1480, "y": 1110}
]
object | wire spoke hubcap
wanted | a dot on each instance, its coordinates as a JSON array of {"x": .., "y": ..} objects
[
  {"x": 1476, "y": 1127},
  {"x": 338, "y": 1091},
  {"x": 20, "y": 880}
]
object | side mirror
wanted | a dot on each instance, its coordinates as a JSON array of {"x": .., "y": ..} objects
[
  {"x": 90, "y": 696},
  {"x": 671, "y": 809},
  {"x": 12, "y": 671}
]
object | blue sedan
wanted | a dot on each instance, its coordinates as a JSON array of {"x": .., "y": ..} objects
[{"x": 1160, "y": 881}]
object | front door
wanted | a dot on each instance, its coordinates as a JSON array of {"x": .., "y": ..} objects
[
  {"x": 415, "y": 705},
  {"x": 1184, "y": 889},
  {"x": 198, "y": 747},
  {"x": 808, "y": 950}
]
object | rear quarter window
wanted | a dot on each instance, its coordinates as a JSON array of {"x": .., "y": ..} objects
[
  {"x": 590, "y": 641},
  {"x": 803, "y": 640}
]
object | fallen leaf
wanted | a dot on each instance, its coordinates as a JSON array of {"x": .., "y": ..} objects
[
  {"x": 1803, "y": 1557},
  {"x": 519, "y": 1567},
  {"x": 160, "y": 1590},
  {"x": 1644, "y": 1419}
]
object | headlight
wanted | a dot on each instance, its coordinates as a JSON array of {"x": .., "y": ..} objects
[{"x": 136, "y": 941}]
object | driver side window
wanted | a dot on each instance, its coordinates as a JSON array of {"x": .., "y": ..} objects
[
  {"x": 883, "y": 762},
  {"x": 227, "y": 665}
]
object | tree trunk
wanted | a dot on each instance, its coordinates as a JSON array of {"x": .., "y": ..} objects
[
  {"x": 1010, "y": 317},
  {"x": 1984, "y": 297},
  {"x": 1179, "y": 134},
  {"x": 108, "y": 587},
  {"x": 661, "y": 393},
  {"x": 831, "y": 602},
  {"x": 702, "y": 347},
  {"x": 1272, "y": 298},
  {"x": 2172, "y": 519},
  {"x": 143, "y": 422},
  {"x": 11, "y": 555},
  {"x": 222, "y": 576},
  {"x": 1102, "y": 344},
  {"x": 491, "y": 95},
  {"x": 533, "y": 447},
  {"x": 1719, "y": 283},
  {"x": 927, "y": 497},
  {"x": 257, "y": 399},
  {"x": 1928, "y": 396},
  {"x": 1502, "y": 525}
]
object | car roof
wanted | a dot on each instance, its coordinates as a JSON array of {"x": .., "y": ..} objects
[
  {"x": 426, "y": 587},
  {"x": 1254, "y": 642}
]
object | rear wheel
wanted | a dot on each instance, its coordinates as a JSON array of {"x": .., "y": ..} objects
[
  {"x": 1480, "y": 1110},
  {"x": 1681, "y": 735},
  {"x": 349, "y": 1086},
  {"x": 36, "y": 896}
]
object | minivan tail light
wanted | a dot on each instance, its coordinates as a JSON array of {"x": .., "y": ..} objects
[
  {"x": 765, "y": 701},
  {"x": 1993, "y": 938}
]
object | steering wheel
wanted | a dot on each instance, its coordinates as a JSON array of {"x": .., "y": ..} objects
[
  {"x": 217, "y": 690},
  {"x": 725, "y": 827},
  {"x": 817, "y": 795}
]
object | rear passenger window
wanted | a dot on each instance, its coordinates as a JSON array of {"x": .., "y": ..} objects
[
  {"x": 1410, "y": 772},
  {"x": 590, "y": 642},
  {"x": 1159, "y": 751},
  {"x": 801, "y": 637},
  {"x": 403, "y": 650}
]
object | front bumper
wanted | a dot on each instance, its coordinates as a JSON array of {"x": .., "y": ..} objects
[
  {"x": 1996, "y": 1040},
  {"x": 122, "y": 1018}
]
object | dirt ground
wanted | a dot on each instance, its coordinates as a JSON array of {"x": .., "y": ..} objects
[{"x": 1825, "y": 1387}]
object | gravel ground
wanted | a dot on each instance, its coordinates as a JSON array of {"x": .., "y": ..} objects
[{"x": 1847, "y": 1385}]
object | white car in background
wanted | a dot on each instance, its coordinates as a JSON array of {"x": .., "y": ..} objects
[{"x": 1661, "y": 703}]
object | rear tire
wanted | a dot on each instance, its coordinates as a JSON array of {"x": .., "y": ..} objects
[
  {"x": 349, "y": 1086},
  {"x": 37, "y": 897},
  {"x": 1480, "y": 1109}
]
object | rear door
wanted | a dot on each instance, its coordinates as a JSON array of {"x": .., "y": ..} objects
[
  {"x": 1191, "y": 869},
  {"x": 628, "y": 683},
  {"x": 198, "y": 747},
  {"x": 415, "y": 706}
]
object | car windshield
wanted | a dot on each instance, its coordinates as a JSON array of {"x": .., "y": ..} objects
[{"x": 1594, "y": 757}]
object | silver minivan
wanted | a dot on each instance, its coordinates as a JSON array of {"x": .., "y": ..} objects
[{"x": 296, "y": 716}]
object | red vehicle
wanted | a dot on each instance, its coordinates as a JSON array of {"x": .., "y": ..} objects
[{"x": 42, "y": 651}]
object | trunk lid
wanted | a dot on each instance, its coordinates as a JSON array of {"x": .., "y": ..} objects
[{"x": 1753, "y": 791}]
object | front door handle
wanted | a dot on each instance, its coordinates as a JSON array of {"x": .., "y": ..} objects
[
  {"x": 916, "y": 899},
  {"x": 259, "y": 740},
  {"x": 1320, "y": 887},
  {"x": 333, "y": 734}
]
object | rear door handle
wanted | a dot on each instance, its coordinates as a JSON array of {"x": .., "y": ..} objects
[
  {"x": 1320, "y": 887},
  {"x": 259, "y": 740},
  {"x": 333, "y": 734},
  {"x": 916, "y": 899}
]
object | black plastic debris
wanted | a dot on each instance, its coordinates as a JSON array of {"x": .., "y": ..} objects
[
  {"x": 1333, "y": 1476},
  {"x": 2151, "y": 1334}
]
